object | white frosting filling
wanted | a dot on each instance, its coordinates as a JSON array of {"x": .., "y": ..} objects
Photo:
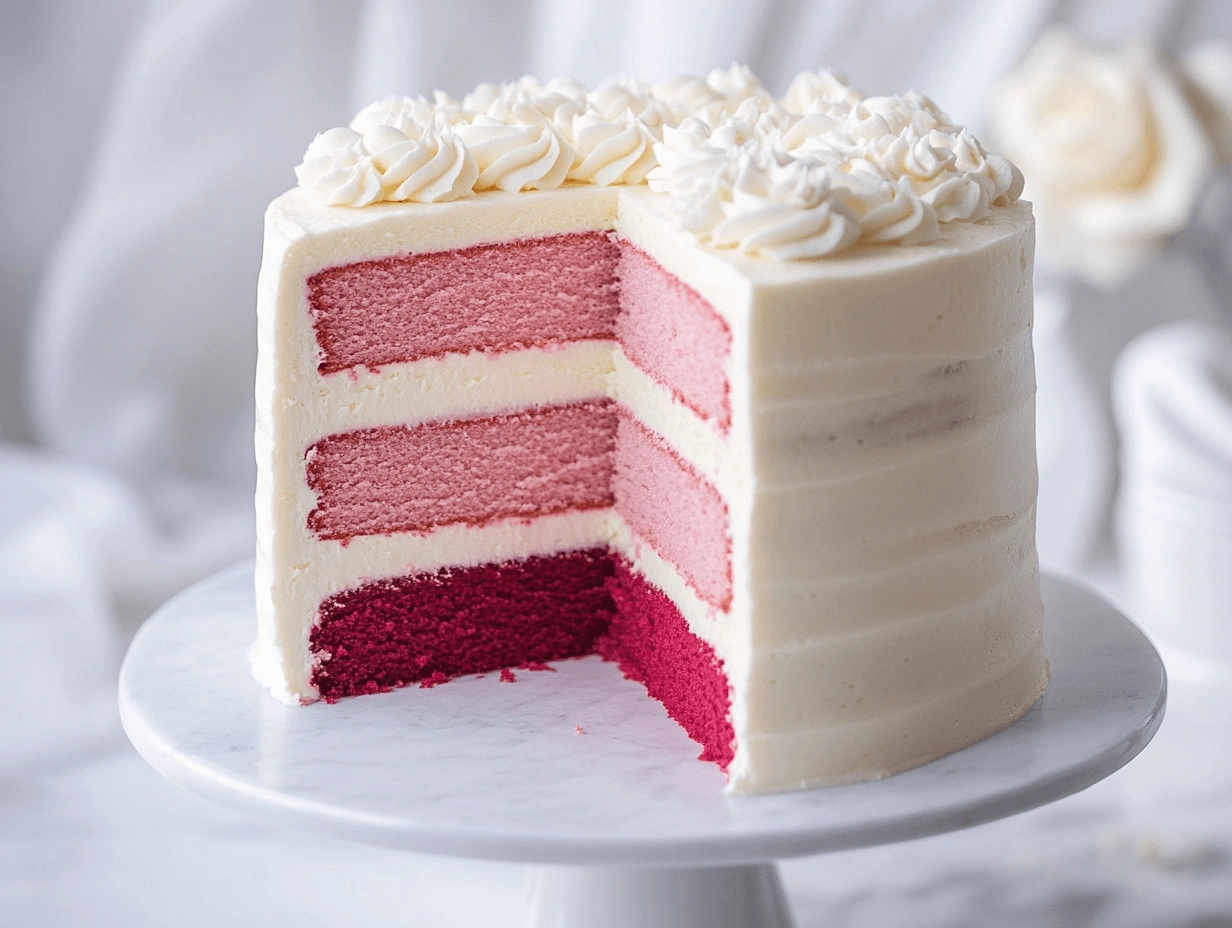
[{"x": 798, "y": 178}]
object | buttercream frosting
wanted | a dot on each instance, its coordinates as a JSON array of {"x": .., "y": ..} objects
[
  {"x": 792, "y": 178},
  {"x": 517, "y": 156},
  {"x": 433, "y": 168}
]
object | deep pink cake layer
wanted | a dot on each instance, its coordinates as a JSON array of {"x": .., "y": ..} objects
[
  {"x": 651, "y": 642},
  {"x": 473, "y": 471},
  {"x": 669, "y": 504},
  {"x": 431, "y": 627},
  {"x": 499, "y": 297},
  {"x": 470, "y": 620},
  {"x": 524, "y": 294},
  {"x": 670, "y": 331}
]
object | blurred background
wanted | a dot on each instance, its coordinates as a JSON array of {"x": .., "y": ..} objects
[{"x": 141, "y": 143}]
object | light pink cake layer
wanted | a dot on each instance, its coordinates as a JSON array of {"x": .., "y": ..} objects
[
  {"x": 500, "y": 297},
  {"x": 473, "y": 471},
  {"x": 523, "y": 294},
  {"x": 523, "y": 465},
  {"x": 670, "y": 331},
  {"x": 672, "y": 506}
]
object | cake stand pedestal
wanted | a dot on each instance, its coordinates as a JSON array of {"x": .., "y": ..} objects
[{"x": 578, "y": 771}]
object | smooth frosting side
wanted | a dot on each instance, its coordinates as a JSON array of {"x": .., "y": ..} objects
[
  {"x": 873, "y": 748},
  {"x": 793, "y": 178}
]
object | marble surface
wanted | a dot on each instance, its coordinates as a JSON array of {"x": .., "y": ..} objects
[{"x": 488, "y": 769}]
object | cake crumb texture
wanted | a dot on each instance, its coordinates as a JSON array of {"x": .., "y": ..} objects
[
  {"x": 650, "y": 641},
  {"x": 494, "y": 297},
  {"x": 474, "y": 471},
  {"x": 391, "y": 633}
]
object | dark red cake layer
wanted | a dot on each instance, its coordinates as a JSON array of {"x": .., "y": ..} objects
[
  {"x": 520, "y": 294},
  {"x": 651, "y": 642},
  {"x": 469, "y": 620},
  {"x": 431, "y": 627},
  {"x": 472, "y": 471}
]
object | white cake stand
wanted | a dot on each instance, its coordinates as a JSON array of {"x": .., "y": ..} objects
[{"x": 579, "y": 768}]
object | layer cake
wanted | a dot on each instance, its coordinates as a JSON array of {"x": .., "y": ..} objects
[{"x": 689, "y": 402}]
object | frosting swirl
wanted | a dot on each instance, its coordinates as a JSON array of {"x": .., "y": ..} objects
[
  {"x": 338, "y": 170},
  {"x": 433, "y": 168},
  {"x": 887, "y": 210},
  {"x": 613, "y": 99},
  {"x": 517, "y": 157},
  {"x": 410, "y": 115},
  {"x": 517, "y": 106},
  {"x": 784, "y": 210},
  {"x": 819, "y": 92},
  {"x": 794, "y": 178},
  {"x": 611, "y": 152},
  {"x": 484, "y": 97}
]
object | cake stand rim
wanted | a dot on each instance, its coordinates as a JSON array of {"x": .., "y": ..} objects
[{"x": 284, "y": 809}]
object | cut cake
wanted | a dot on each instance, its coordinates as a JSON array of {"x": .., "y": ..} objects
[{"x": 759, "y": 429}]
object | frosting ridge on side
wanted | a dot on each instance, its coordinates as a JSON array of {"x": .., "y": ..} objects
[{"x": 792, "y": 178}]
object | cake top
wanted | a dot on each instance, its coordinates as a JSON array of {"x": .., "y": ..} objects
[{"x": 797, "y": 177}]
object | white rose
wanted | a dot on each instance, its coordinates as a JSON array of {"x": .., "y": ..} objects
[{"x": 1112, "y": 150}]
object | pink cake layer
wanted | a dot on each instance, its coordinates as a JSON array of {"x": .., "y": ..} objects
[
  {"x": 473, "y": 471},
  {"x": 522, "y": 294},
  {"x": 431, "y": 627},
  {"x": 671, "y": 332},
  {"x": 524, "y": 465},
  {"x": 668, "y": 503}
]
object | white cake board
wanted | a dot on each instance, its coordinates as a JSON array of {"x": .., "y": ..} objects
[{"x": 486, "y": 769}]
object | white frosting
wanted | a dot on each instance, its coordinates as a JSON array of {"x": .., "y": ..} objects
[
  {"x": 434, "y": 167},
  {"x": 518, "y": 156},
  {"x": 411, "y": 115},
  {"x": 338, "y": 170},
  {"x": 611, "y": 152},
  {"x": 611, "y": 100},
  {"x": 879, "y": 468},
  {"x": 792, "y": 179},
  {"x": 482, "y": 99},
  {"x": 811, "y": 176},
  {"x": 820, "y": 92},
  {"x": 782, "y": 208}
]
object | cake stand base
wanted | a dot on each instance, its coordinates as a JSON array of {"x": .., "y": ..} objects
[
  {"x": 579, "y": 770},
  {"x": 646, "y": 897}
]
